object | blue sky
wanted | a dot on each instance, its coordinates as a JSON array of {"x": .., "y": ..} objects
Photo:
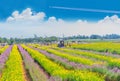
[
  {"x": 24, "y": 18},
  {"x": 8, "y": 6}
]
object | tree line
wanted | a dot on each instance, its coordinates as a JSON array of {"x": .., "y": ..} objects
[
  {"x": 54, "y": 38},
  {"x": 94, "y": 36}
]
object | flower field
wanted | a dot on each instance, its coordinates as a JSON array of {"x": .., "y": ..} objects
[{"x": 78, "y": 62}]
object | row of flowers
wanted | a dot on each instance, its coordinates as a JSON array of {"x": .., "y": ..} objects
[
  {"x": 101, "y": 47},
  {"x": 33, "y": 68},
  {"x": 14, "y": 70},
  {"x": 55, "y": 69},
  {"x": 4, "y": 56},
  {"x": 3, "y": 49}
]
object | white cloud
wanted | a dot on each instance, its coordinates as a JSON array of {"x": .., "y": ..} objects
[
  {"x": 54, "y": 26},
  {"x": 26, "y": 15},
  {"x": 52, "y": 19},
  {"x": 113, "y": 19}
]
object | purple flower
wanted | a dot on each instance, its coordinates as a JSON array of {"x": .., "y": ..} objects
[{"x": 4, "y": 56}]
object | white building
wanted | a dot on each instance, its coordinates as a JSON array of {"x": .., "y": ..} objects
[{"x": 3, "y": 44}]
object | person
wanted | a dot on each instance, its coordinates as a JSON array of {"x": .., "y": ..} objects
[{"x": 61, "y": 44}]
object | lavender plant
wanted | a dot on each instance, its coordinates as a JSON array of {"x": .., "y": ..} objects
[
  {"x": 33, "y": 69},
  {"x": 3, "y": 57}
]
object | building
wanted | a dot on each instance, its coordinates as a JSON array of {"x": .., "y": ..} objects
[{"x": 3, "y": 44}]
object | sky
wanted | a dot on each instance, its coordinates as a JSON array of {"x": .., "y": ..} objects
[{"x": 24, "y": 18}]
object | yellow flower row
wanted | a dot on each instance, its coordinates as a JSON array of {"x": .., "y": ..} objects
[
  {"x": 14, "y": 67},
  {"x": 101, "y": 47},
  {"x": 3, "y": 49},
  {"x": 71, "y": 58},
  {"x": 81, "y": 60},
  {"x": 56, "y": 70},
  {"x": 88, "y": 54},
  {"x": 111, "y": 61}
]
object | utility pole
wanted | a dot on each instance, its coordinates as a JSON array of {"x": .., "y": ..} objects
[{"x": 63, "y": 37}]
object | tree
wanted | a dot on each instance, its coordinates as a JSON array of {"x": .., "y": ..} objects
[{"x": 95, "y": 37}]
